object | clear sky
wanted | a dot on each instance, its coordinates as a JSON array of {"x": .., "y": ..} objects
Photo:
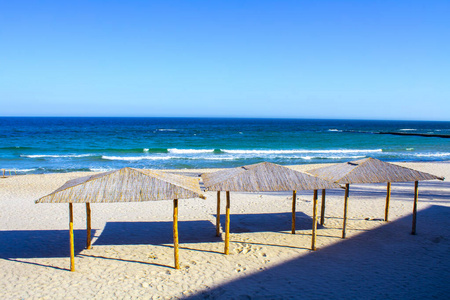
[{"x": 298, "y": 59}]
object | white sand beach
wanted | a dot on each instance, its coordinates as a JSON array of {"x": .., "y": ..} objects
[{"x": 132, "y": 254}]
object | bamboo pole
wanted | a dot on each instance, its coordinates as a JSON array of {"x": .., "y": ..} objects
[
  {"x": 416, "y": 197},
  {"x": 227, "y": 226},
  {"x": 72, "y": 247},
  {"x": 322, "y": 210},
  {"x": 388, "y": 198},
  {"x": 294, "y": 200},
  {"x": 175, "y": 233},
  {"x": 347, "y": 188},
  {"x": 218, "y": 215},
  {"x": 314, "y": 227},
  {"x": 88, "y": 225}
]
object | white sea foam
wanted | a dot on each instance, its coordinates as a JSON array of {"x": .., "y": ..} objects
[
  {"x": 101, "y": 169},
  {"x": 13, "y": 171},
  {"x": 55, "y": 155},
  {"x": 309, "y": 157},
  {"x": 408, "y": 129},
  {"x": 437, "y": 154},
  {"x": 217, "y": 158},
  {"x": 25, "y": 170},
  {"x": 189, "y": 151},
  {"x": 345, "y": 157},
  {"x": 166, "y": 129},
  {"x": 146, "y": 150},
  {"x": 335, "y": 130},
  {"x": 302, "y": 151},
  {"x": 134, "y": 158}
]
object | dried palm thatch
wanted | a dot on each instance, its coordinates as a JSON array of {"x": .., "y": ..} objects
[
  {"x": 125, "y": 185},
  {"x": 370, "y": 170},
  {"x": 263, "y": 177}
]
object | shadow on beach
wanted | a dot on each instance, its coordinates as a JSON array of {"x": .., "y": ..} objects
[
  {"x": 156, "y": 233},
  {"x": 241, "y": 223},
  {"x": 40, "y": 243},
  {"x": 386, "y": 262},
  {"x": 402, "y": 191}
]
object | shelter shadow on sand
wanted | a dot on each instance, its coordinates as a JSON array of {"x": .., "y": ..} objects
[
  {"x": 386, "y": 262},
  {"x": 40, "y": 243},
  {"x": 266, "y": 222},
  {"x": 403, "y": 191},
  {"x": 156, "y": 233}
]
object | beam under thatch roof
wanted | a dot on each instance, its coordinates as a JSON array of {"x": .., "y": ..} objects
[
  {"x": 124, "y": 185},
  {"x": 263, "y": 177},
  {"x": 372, "y": 170}
]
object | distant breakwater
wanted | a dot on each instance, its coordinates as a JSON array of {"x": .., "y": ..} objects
[
  {"x": 445, "y": 136},
  {"x": 401, "y": 133}
]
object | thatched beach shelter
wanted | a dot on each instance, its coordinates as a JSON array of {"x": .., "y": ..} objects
[
  {"x": 371, "y": 170},
  {"x": 124, "y": 185},
  {"x": 263, "y": 177}
]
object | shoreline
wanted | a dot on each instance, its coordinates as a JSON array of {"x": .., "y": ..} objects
[{"x": 303, "y": 166}]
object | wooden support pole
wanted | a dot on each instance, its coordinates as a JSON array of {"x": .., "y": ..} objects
[
  {"x": 347, "y": 188},
  {"x": 416, "y": 197},
  {"x": 72, "y": 246},
  {"x": 322, "y": 210},
  {"x": 218, "y": 215},
  {"x": 175, "y": 233},
  {"x": 227, "y": 226},
  {"x": 388, "y": 198},
  {"x": 88, "y": 225},
  {"x": 314, "y": 227},
  {"x": 294, "y": 200}
]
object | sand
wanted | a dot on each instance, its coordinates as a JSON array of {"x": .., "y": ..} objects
[{"x": 132, "y": 254}]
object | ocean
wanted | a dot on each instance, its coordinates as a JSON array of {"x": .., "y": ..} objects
[{"x": 57, "y": 144}]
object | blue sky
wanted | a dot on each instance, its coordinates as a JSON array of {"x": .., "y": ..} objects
[{"x": 296, "y": 59}]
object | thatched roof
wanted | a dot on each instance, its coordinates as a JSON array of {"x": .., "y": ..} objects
[
  {"x": 370, "y": 170},
  {"x": 263, "y": 177},
  {"x": 125, "y": 185}
]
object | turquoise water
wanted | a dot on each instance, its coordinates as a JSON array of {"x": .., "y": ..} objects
[{"x": 42, "y": 145}]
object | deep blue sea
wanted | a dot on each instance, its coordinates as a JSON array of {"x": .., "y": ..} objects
[{"x": 44, "y": 145}]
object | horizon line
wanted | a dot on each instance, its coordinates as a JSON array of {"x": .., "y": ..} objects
[{"x": 227, "y": 117}]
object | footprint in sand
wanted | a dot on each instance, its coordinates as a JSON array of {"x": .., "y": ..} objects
[
  {"x": 244, "y": 249},
  {"x": 437, "y": 239},
  {"x": 240, "y": 268}
]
